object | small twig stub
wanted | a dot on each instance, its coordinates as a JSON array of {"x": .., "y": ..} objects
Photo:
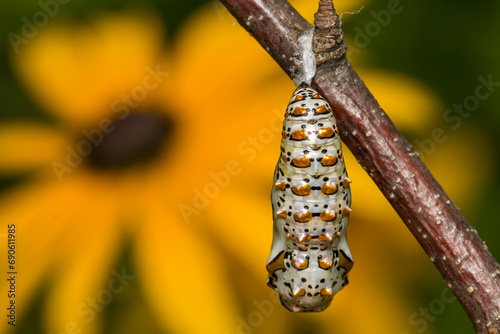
[{"x": 328, "y": 41}]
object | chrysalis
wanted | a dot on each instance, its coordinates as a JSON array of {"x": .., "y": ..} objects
[{"x": 309, "y": 258}]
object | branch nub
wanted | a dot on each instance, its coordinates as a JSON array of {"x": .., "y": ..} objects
[{"x": 328, "y": 40}]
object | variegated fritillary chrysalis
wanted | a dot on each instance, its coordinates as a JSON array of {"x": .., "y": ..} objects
[{"x": 310, "y": 257}]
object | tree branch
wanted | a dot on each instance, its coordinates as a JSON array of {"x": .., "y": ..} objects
[{"x": 452, "y": 244}]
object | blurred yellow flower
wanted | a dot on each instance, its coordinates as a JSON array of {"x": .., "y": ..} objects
[
  {"x": 174, "y": 150},
  {"x": 124, "y": 148}
]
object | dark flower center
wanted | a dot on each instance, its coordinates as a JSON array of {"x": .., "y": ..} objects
[{"x": 136, "y": 138}]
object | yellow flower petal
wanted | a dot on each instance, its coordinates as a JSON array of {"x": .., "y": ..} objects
[
  {"x": 410, "y": 104},
  {"x": 44, "y": 214},
  {"x": 199, "y": 50},
  {"x": 262, "y": 311},
  {"x": 26, "y": 146},
  {"x": 28, "y": 229},
  {"x": 461, "y": 163},
  {"x": 85, "y": 281},
  {"x": 181, "y": 274},
  {"x": 365, "y": 308},
  {"x": 244, "y": 223},
  {"x": 83, "y": 72},
  {"x": 219, "y": 130}
]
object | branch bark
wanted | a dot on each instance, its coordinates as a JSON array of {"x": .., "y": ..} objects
[{"x": 452, "y": 244}]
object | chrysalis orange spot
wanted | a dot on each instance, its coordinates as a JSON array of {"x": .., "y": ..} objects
[
  {"x": 328, "y": 160},
  {"x": 302, "y": 191},
  {"x": 326, "y": 292},
  {"x": 324, "y": 263},
  {"x": 329, "y": 189},
  {"x": 303, "y": 218},
  {"x": 300, "y": 266},
  {"x": 282, "y": 213},
  {"x": 305, "y": 238},
  {"x": 299, "y": 111},
  {"x": 346, "y": 211},
  {"x": 280, "y": 185},
  {"x": 346, "y": 182},
  {"x": 298, "y": 98},
  {"x": 326, "y": 132},
  {"x": 299, "y": 293},
  {"x": 302, "y": 248},
  {"x": 301, "y": 162},
  {"x": 316, "y": 96},
  {"x": 327, "y": 216},
  {"x": 299, "y": 135},
  {"x": 322, "y": 109},
  {"x": 325, "y": 237}
]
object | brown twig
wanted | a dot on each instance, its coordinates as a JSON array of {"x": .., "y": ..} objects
[{"x": 452, "y": 244}]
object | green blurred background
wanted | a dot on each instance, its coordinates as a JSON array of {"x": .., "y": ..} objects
[{"x": 446, "y": 45}]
